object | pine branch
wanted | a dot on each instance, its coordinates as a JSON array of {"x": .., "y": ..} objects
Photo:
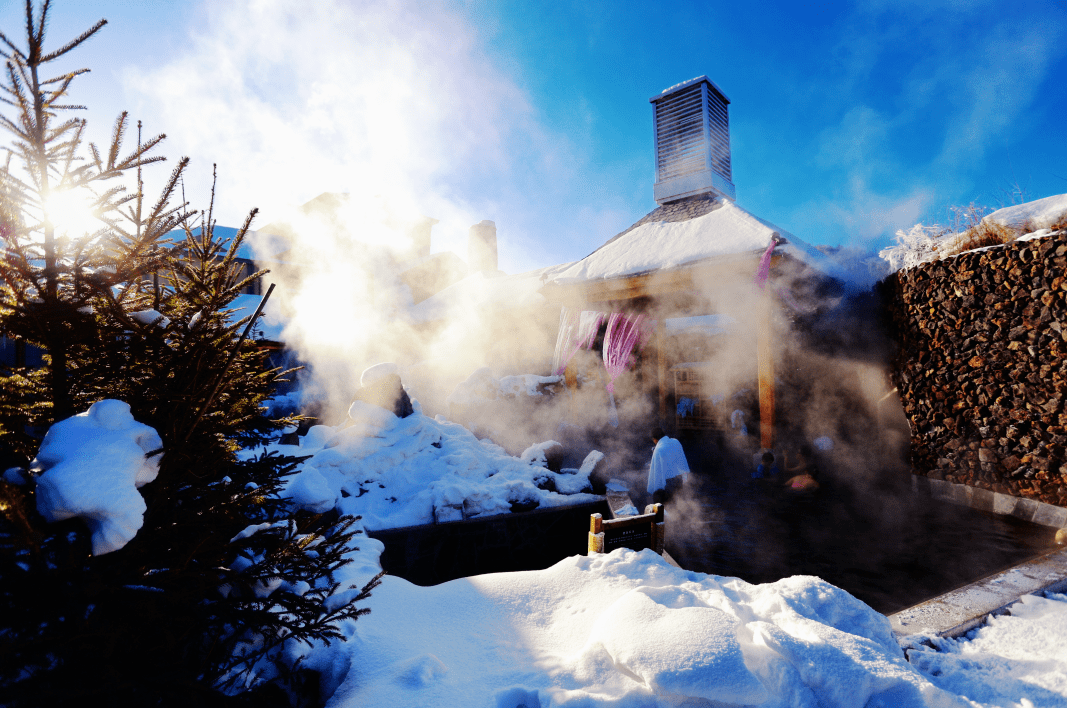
[{"x": 73, "y": 43}]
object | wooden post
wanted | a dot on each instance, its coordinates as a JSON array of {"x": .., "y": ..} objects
[
  {"x": 658, "y": 527},
  {"x": 596, "y": 534},
  {"x": 661, "y": 366},
  {"x": 765, "y": 358}
]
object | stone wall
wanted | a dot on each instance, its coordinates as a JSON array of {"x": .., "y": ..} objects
[{"x": 981, "y": 369}]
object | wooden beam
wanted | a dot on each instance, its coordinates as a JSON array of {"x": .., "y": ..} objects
[
  {"x": 661, "y": 367},
  {"x": 765, "y": 359}
]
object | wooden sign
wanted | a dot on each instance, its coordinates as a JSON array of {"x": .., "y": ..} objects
[{"x": 633, "y": 532}]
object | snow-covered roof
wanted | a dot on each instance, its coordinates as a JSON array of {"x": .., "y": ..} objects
[
  {"x": 693, "y": 230},
  {"x": 481, "y": 292}
]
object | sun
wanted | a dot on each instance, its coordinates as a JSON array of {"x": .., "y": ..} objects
[{"x": 70, "y": 212}]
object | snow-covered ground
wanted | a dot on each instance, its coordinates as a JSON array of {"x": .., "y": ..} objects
[
  {"x": 396, "y": 472},
  {"x": 628, "y": 629},
  {"x": 622, "y": 629}
]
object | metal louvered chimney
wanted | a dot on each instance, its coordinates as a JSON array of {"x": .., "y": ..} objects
[{"x": 692, "y": 133}]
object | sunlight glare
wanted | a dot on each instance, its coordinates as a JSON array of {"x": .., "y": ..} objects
[{"x": 70, "y": 211}]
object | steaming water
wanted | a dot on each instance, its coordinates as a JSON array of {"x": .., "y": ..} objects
[{"x": 885, "y": 545}]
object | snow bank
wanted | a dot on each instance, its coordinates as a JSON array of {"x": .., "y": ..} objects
[
  {"x": 1019, "y": 659},
  {"x": 92, "y": 465},
  {"x": 398, "y": 472},
  {"x": 626, "y": 629}
]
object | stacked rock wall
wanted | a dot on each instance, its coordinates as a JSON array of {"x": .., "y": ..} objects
[{"x": 981, "y": 369}]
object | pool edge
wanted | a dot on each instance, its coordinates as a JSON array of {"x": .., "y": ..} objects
[{"x": 957, "y": 612}]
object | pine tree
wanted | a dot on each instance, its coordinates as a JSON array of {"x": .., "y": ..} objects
[{"x": 191, "y": 610}]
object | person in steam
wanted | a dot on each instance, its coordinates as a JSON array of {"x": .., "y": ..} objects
[
  {"x": 766, "y": 469},
  {"x": 801, "y": 477},
  {"x": 668, "y": 463}
]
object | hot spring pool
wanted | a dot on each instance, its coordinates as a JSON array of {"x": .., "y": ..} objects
[{"x": 891, "y": 549}]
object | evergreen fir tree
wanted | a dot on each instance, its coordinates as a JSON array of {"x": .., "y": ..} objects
[{"x": 192, "y": 610}]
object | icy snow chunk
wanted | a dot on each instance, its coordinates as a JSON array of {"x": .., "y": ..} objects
[
  {"x": 150, "y": 317},
  {"x": 317, "y": 437},
  {"x": 14, "y": 475},
  {"x": 537, "y": 454},
  {"x": 617, "y": 485},
  {"x": 309, "y": 490},
  {"x": 589, "y": 464},
  {"x": 377, "y": 373},
  {"x": 372, "y": 419},
  {"x": 525, "y": 384},
  {"x": 92, "y": 465}
]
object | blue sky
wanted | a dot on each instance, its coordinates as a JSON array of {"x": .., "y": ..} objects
[{"x": 848, "y": 121}]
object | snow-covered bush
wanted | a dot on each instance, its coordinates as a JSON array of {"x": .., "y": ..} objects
[
  {"x": 917, "y": 245},
  {"x": 974, "y": 227}
]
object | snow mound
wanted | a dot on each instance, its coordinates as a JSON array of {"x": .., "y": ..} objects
[
  {"x": 409, "y": 471},
  {"x": 92, "y": 465},
  {"x": 627, "y": 629}
]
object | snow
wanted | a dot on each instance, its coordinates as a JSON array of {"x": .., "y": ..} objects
[
  {"x": 1035, "y": 215},
  {"x": 1018, "y": 659},
  {"x": 726, "y": 231},
  {"x": 373, "y": 374},
  {"x": 626, "y": 629},
  {"x": 921, "y": 244},
  {"x": 92, "y": 465},
  {"x": 150, "y": 317},
  {"x": 397, "y": 472},
  {"x": 622, "y": 629}
]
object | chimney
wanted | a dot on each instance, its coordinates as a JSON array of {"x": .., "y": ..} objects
[
  {"x": 692, "y": 134},
  {"x": 481, "y": 247},
  {"x": 420, "y": 237}
]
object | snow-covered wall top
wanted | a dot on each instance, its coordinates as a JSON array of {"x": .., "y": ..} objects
[{"x": 1039, "y": 214}]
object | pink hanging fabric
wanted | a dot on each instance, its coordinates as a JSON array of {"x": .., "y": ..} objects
[
  {"x": 764, "y": 268},
  {"x": 565, "y": 340},
  {"x": 619, "y": 341},
  {"x": 576, "y": 330}
]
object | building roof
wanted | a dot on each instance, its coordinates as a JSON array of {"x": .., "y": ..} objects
[{"x": 686, "y": 232}]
